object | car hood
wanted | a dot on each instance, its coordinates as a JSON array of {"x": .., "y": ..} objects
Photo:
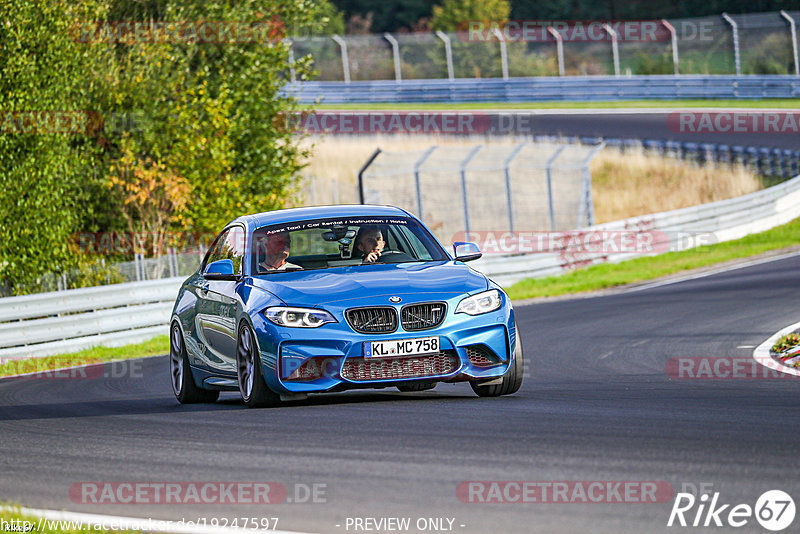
[{"x": 316, "y": 287}]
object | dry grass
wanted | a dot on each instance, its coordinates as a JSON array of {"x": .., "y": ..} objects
[
  {"x": 623, "y": 185},
  {"x": 630, "y": 184}
]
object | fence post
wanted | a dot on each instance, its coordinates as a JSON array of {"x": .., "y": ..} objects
[
  {"x": 173, "y": 262},
  {"x": 587, "y": 206},
  {"x": 793, "y": 29},
  {"x": 559, "y": 49},
  {"x": 674, "y": 36},
  {"x": 417, "y": 186},
  {"x": 292, "y": 72},
  {"x": 361, "y": 175},
  {"x": 448, "y": 53},
  {"x": 735, "y": 32},
  {"x": 395, "y": 55},
  {"x": 345, "y": 60},
  {"x": 549, "y": 178},
  {"x": 463, "y": 170},
  {"x": 614, "y": 47},
  {"x": 503, "y": 53},
  {"x": 506, "y": 170}
]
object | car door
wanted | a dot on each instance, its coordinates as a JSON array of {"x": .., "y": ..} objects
[{"x": 216, "y": 304}]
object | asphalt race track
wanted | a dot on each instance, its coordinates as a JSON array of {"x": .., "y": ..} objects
[{"x": 597, "y": 405}]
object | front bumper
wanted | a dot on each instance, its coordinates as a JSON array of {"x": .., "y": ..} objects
[{"x": 471, "y": 347}]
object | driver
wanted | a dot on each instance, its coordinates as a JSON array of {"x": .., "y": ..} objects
[
  {"x": 370, "y": 243},
  {"x": 276, "y": 248}
]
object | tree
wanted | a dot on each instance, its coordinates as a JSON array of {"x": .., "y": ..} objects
[
  {"x": 205, "y": 111},
  {"x": 454, "y": 14}
]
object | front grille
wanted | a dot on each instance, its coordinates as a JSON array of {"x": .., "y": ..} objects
[
  {"x": 422, "y": 316},
  {"x": 377, "y": 320},
  {"x": 364, "y": 369},
  {"x": 481, "y": 356}
]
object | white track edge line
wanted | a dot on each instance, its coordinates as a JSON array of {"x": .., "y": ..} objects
[
  {"x": 138, "y": 523},
  {"x": 712, "y": 272}
]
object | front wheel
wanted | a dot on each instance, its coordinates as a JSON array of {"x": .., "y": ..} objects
[
  {"x": 254, "y": 390},
  {"x": 183, "y": 386},
  {"x": 512, "y": 380}
]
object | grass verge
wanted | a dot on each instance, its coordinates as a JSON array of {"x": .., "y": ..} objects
[
  {"x": 157, "y": 345},
  {"x": 11, "y": 520},
  {"x": 607, "y": 275},
  {"x": 671, "y": 104}
]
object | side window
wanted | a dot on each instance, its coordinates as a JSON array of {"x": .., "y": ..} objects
[
  {"x": 229, "y": 245},
  {"x": 214, "y": 253},
  {"x": 419, "y": 250}
]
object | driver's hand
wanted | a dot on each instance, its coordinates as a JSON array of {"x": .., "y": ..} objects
[{"x": 372, "y": 257}]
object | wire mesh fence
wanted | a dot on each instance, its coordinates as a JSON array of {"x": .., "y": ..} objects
[
  {"x": 459, "y": 190},
  {"x": 758, "y": 43}
]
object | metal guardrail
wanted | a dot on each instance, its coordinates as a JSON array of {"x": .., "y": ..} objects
[
  {"x": 679, "y": 230},
  {"x": 67, "y": 321},
  {"x": 542, "y": 89}
]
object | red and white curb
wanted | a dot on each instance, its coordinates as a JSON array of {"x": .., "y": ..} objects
[{"x": 762, "y": 355}]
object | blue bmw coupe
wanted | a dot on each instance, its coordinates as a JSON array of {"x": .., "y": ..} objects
[{"x": 324, "y": 299}]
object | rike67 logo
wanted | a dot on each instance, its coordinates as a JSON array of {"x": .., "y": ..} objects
[{"x": 774, "y": 510}]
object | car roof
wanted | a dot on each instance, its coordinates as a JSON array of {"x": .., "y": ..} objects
[{"x": 319, "y": 212}]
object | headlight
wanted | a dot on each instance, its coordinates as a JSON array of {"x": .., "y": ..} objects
[
  {"x": 480, "y": 303},
  {"x": 298, "y": 317}
]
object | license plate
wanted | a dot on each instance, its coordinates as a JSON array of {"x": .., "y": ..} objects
[{"x": 401, "y": 347}]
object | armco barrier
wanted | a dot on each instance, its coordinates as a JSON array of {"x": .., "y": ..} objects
[
  {"x": 705, "y": 224},
  {"x": 567, "y": 88},
  {"x": 67, "y": 321}
]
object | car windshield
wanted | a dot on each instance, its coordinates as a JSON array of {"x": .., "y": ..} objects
[{"x": 342, "y": 242}]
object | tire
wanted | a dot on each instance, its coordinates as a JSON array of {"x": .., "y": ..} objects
[
  {"x": 254, "y": 390},
  {"x": 183, "y": 386},
  {"x": 512, "y": 380},
  {"x": 417, "y": 386}
]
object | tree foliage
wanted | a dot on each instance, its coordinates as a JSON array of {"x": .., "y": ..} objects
[
  {"x": 193, "y": 115},
  {"x": 454, "y": 14}
]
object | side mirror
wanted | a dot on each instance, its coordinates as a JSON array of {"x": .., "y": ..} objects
[
  {"x": 220, "y": 270},
  {"x": 466, "y": 251}
]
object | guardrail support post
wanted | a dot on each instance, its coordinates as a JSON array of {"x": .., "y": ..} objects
[
  {"x": 395, "y": 55},
  {"x": 559, "y": 49},
  {"x": 503, "y": 53},
  {"x": 463, "y": 171},
  {"x": 345, "y": 60},
  {"x": 507, "y": 172},
  {"x": 614, "y": 47},
  {"x": 417, "y": 186},
  {"x": 674, "y": 37},
  {"x": 735, "y": 31},
  {"x": 448, "y": 53},
  {"x": 361, "y": 172},
  {"x": 793, "y": 29},
  {"x": 549, "y": 178}
]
